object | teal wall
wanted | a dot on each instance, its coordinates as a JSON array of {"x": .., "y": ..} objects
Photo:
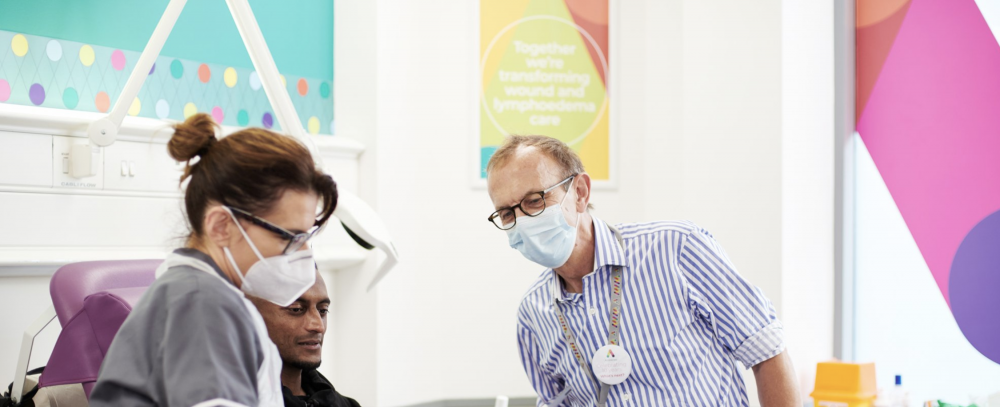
[{"x": 299, "y": 33}]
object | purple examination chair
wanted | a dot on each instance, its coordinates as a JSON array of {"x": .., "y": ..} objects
[{"x": 91, "y": 300}]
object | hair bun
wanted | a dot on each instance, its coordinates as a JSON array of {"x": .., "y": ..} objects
[{"x": 194, "y": 137}]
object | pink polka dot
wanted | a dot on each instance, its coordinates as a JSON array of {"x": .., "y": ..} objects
[
  {"x": 217, "y": 114},
  {"x": 4, "y": 90},
  {"x": 204, "y": 73},
  {"x": 118, "y": 60}
]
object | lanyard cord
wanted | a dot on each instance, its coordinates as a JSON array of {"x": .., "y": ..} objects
[{"x": 613, "y": 329}]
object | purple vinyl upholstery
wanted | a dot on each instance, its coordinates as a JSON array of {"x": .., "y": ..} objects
[
  {"x": 92, "y": 299},
  {"x": 72, "y": 283}
]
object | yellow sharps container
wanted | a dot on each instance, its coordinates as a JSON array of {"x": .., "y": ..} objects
[{"x": 844, "y": 385}]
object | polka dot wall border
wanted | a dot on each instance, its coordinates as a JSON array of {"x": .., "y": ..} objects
[{"x": 98, "y": 93}]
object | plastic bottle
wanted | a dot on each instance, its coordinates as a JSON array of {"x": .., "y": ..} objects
[{"x": 898, "y": 396}]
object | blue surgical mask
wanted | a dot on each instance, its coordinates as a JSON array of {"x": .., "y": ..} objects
[{"x": 546, "y": 239}]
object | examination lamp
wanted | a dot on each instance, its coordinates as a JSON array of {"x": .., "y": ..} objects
[
  {"x": 368, "y": 230},
  {"x": 359, "y": 219}
]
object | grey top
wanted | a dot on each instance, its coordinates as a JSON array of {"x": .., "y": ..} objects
[{"x": 189, "y": 339}]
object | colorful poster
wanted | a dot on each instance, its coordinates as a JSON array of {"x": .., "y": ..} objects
[
  {"x": 544, "y": 70},
  {"x": 927, "y": 100}
]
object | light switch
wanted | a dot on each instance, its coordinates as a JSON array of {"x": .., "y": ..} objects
[{"x": 144, "y": 167}]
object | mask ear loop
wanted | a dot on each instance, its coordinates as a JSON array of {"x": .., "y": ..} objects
[
  {"x": 244, "y": 233},
  {"x": 232, "y": 262},
  {"x": 574, "y": 206},
  {"x": 229, "y": 254}
]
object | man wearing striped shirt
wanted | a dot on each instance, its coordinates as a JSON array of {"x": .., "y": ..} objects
[{"x": 662, "y": 295}]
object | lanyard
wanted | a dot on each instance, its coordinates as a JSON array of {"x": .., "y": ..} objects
[{"x": 614, "y": 323}]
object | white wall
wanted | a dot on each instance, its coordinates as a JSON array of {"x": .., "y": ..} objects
[
  {"x": 350, "y": 347},
  {"x": 444, "y": 317},
  {"x": 807, "y": 182},
  {"x": 723, "y": 113}
]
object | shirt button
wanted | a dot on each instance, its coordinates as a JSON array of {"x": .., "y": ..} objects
[
  {"x": 626, "y": 397},
  {"x": 593, "y": 311}
]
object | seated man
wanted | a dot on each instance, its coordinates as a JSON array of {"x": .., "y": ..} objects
[{"x": 298, "y": 331}]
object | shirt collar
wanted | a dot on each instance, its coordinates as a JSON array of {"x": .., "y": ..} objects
[
  {"x": 313, "y": 381},
  {"x": 204, "y": 258},
  {"x": 607, "y": 252}
]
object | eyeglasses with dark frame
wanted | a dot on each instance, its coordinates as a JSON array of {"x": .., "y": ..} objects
[
  {"x": 295, "y": 240},
  {"x": 533, "y": 204}
]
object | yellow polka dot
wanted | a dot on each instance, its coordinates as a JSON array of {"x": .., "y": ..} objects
[
  {"x": 313, "y": 125},
  {"x": 135, "y": 108},
  {"x": 19, "y": 45},
  {"x": 230, "y": 77},
  {"x": 87, "y": 55},
  {"x": 190, "y": 109},
  {"x": 283, "y": 81}
]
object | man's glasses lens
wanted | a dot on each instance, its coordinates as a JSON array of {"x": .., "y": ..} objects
[
  {"x": 503, "y": 219},
  {"x": 531, "y": 205}
]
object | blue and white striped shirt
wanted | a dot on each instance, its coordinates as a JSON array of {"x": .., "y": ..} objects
[{"x": 687, "y": 317}]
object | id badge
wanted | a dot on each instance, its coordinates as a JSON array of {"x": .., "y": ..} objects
[{"x": 612, "y": 364}]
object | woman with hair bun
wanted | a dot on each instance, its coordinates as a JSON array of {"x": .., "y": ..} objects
[{"x": 253, "y": 200}]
